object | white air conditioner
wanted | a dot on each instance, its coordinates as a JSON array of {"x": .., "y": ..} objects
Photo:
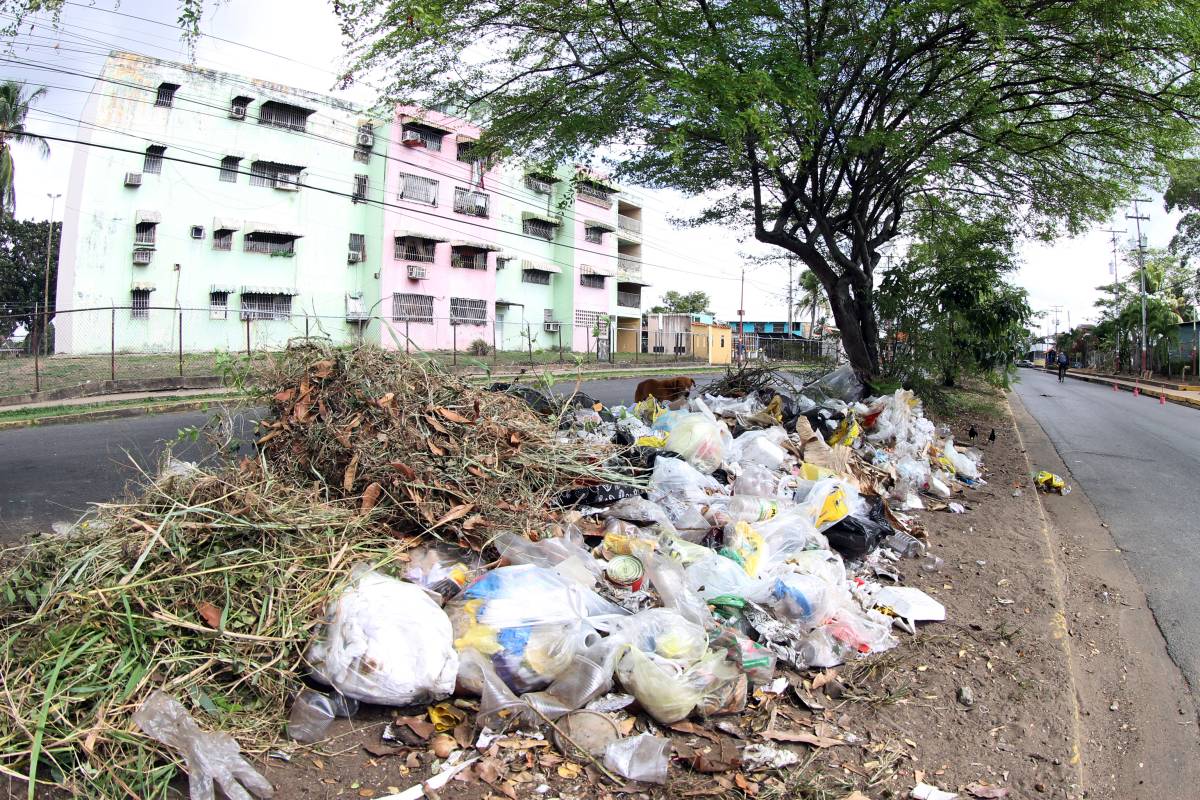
[
  {"x": 366, "y": 139},
  {"x": 237, "y": 112},
  {"x": 142, "y": 257},
  {"x": 417, "y": 272},
  {"x": 412, "y": 140},
  {"x": 289, "y": 183},
  {"x": 552, "y": 327},
  {"x": 354, "y": 256},
  {"x": 133, "y": 179}
]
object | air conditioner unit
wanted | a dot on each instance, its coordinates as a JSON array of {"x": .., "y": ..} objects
[
  {"x": 417, "y": 272},
  {"x": 133, "y": 179},
  {"x": 237, "y": 112},
  {"x": 289, "y": 183},
  {"x": 412, "y": 140},
  {"x": 142, "y": 257},
  {"x": 366, "y": 139},
  {"x": 354, "y": 256},
  {"x": 552, "y": 327}
]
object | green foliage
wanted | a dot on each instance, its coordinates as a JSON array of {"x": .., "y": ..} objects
[
  {"x": 14, "y": 106},
  {"x": 817, "y": 126},
  {"x": 23, "y": 270},
  {"x": 674, "y": 302},
  {"x": 479, "y": 347},
  {"x": 950, "y": 309}
]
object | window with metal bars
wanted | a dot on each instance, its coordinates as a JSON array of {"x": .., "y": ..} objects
[
  {"x": 266, "y": 306},
  {"x": 540, "y": 184},
  {"x": 468, "y": 258},
  {"x": 362, "y": 156},
  {"x": 539, "y": 228},
  {"x": 218, "y": 305},
  {"x": 283, "y": 115},
  {"x": 154, "y": 159},
  {"x": 468, "y": 202},
  {"x": 417, "y": 188},
  {"x": 229, "y": 168},
  {"x": 269, "y": 243},
  {"x": 360, "y": 188},
  {"x": 412, "y": 248},
  {"x": 145, "y": 233},
  {"x": 222, "y": 239},
  {"x": 166, "y": 94},
  {"x": 139, "y": 304},
  {"x": 468, "y": 311},
  {"x": 591, "y": 319},
  {"x": 358, "y": 244},
  {"x": 535, "y": 276},
  {"x": 594, "y": 193},
  {"x": 592, "y": 281},
  {"x": 412, "y": 308},
  {"x": 237, "y": 108},
  {"x": 594, "y": 235},
  {"x": 416, "y": 134},
  {"x": 266, "y": 173}
]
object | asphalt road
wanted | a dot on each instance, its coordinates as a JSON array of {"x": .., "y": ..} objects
[
  {"x": 1139, "y": 463},
  {"x": 52, "y": 473}
]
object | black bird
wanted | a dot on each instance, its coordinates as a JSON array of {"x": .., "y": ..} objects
[
  {"x": 972, "y": 433},
  {"x": 992, "y": 436}
]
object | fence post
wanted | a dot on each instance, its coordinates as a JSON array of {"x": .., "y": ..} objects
[
  {"x": 181, "y": 342},
  {"x": 560, "y": 355},
  {"x": 112, "y": 345},
  {"x": 407, "y": 340},
  {"x": 37, "y": 349},
  {"x": 529, "y": 341},
  {"x": 495, "y": 349},
  {"x": 306, "y": 326},
  {"x": 247, "y": 337}
]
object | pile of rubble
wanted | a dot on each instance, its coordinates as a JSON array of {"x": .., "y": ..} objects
[{"x": 598, "y": 576}]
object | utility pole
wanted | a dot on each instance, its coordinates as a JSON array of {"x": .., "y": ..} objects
[
  {"x": 1116, "y": 290},
  {"x": 1137, "y": 217},
  {"x": 742, "y": 317},
  {"x": 1056, "y": 310},
  {"x": 791, "y": 289},
  {"x": 46, "y": 282}
]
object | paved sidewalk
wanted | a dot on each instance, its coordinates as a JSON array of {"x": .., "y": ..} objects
[{"x": 119, "y": 397}]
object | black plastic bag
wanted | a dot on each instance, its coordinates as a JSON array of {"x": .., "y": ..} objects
[
  {"x": 854, "y": 537},
  {"x": 598, "y": 496}
]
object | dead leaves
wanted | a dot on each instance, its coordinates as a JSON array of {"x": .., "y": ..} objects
[
  {"x": 406, "y": 472},
  {"x": 370, "y": 497},
  {"x": 450, "y": 415},
  {"x": 458, "y": 512},
  {"x": 350, "y": 473},
  {"x": 209, "y": 613}
]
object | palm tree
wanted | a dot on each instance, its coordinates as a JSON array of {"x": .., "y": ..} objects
[
  {"x": 812, "y": 297},
  {"x": 14, "y": 105}
]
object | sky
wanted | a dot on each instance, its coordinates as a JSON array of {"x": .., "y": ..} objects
[{"x": 298, "y": 43}]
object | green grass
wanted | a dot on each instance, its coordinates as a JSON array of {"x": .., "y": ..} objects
[
  {"x": 30, "y": 414},
  {"x": 974, "y": 399}
]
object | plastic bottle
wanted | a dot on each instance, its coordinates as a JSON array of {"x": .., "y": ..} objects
[
  {"x": 313, "y": 712},
  {"x": 744, "y": 508}
]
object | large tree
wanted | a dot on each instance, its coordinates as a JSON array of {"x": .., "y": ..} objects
[
  {"x": 23, "y": 270},
  {"x": 14, "y": 107},
  {"x": 817, "y": 124},
  {"x": 674, "y": 302}
]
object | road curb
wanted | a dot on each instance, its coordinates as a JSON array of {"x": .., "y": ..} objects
[
  {"x": 122, "y": 412},
  {"x": 1146, "y": 389}
]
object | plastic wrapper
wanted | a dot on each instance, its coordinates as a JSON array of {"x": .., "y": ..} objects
[
  {"x": 841, "y": 384},
  {"x": 565, "y": 555},
  {"x": 697, "y": 438},
  {"x": 386, "y": 642},
  {"x": 529, "y": 621},
  {"x": 657, "y": 666},
  {"x": 717, "y": 575},
  {"x": 685, "y": 516},
  {"x": 762, "y": 447},
  {"x": 804, "y": 599},
  {"x": 757, "y": 481},
  {"x": 439, "y": 572},
  {"x": 663, "y": 690},
  {"x": 830, "y": 501},
  {"x": 211, "y": 759},
  {"x": 1049, "y": 482},
  {"x": 850, "y": 634},
  {"x": 757, "y": 662},
  {"x": 669, "y": 580},
  {"x": 638, "y": 510},
  {"x": 639, "y": 758},
  {"x": 761, "y": 548},
  {"x": 679, "y": 478},
  {"x": 962, "y": 464},
  {"x": 824, "y": 564},
  {"x": 733, "y": 406},
  {"x": 312, "y": 713}
]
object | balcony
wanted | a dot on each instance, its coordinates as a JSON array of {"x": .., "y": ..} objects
[
  {"x": 629, "y": 225},
  {"x": 629, "y": 265},
  {"x": 629, "y": 300},
  {"x": 595, "y": 194}
]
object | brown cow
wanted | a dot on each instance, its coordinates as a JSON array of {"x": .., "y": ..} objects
[{"x": 666, "y": 390}]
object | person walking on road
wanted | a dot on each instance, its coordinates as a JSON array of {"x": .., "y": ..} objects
[{"x": 1062, "y": 366}]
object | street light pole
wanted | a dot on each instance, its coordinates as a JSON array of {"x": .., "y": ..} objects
[
  {"x": 1137, "y": 217},
  {"x": 46, "y": 281},
  {"x": 1116, "y": 291}
]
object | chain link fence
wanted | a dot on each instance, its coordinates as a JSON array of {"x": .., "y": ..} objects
[{"x": 129, "y": 344}]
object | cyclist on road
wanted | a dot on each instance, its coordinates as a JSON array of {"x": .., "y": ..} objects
[{"x": 1063, "y": 361}]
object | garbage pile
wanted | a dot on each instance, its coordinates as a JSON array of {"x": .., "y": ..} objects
[{"x": 593, "y": 575}]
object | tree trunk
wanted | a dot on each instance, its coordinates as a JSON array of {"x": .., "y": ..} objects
[{"x": 859, "y": 336}]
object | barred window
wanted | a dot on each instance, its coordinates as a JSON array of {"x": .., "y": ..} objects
[
  {"x": 412, "y": 248},
  {"x": 591, "y": 319},
  {"x": 266, "y": 306},
  {"x": 592, "y": 281},
  {"x": 540, "y": 184},
  {"x": 144, "y": 234},
  {"x": 229, "y": 168},
  {"x": 595, "y": 193},
  {"x": 412, "y": 308},
  {"x": 358, "y": 244},
  {"x": 362, "y": 156},
  {"x": 416, "y": 134},
  {"x": 283, "y": 115},
  {"x": 218, "y": 305},
  {"x": 237, "y": 108},
  {"x": 222, "y": 239},
  {"x": 154, "y": 159},
  {"x": 467, "y": 311},
  {"x": 468, "y": 202},
  {"x": 468, "y": 258},
  {"x": 417, "y": 188},
  {"x": 535, "y": 276},
  {"x": 139, "y": 304},
  {"x": 269, "y": 243},
  {"x": 539, "y": 228},
  {"x": 266, "y": 173},
  {"x": 360, "y": 188},
  {"x": 594, "y": 235},
  {"x": 166, "y": 94}
]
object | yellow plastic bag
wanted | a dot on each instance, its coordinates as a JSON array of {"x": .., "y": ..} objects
[
  {"x": 1049, "y": 482},
  {"x": 811, "y": 472},
  {"x": 748, "y": 545},
  {"x": 656, "y": 440},
  {"x": 847, "y": 432},
  {"x": 649, "y": 410}
]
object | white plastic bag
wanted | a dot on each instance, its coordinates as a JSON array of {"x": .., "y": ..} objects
[
  {"x": 962, "y": 464},
  {"x": 762, "y": 447},
  {"x": 385, "y": 642},
  {"x": 679, "y": 478},
  {"x": 757, "y": 481},
  {"x": 639, "y": 758},
  {"x": 698, "y": 439}
]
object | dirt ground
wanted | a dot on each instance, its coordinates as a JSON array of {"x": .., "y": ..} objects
[{"x": 979, "y": 703}]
